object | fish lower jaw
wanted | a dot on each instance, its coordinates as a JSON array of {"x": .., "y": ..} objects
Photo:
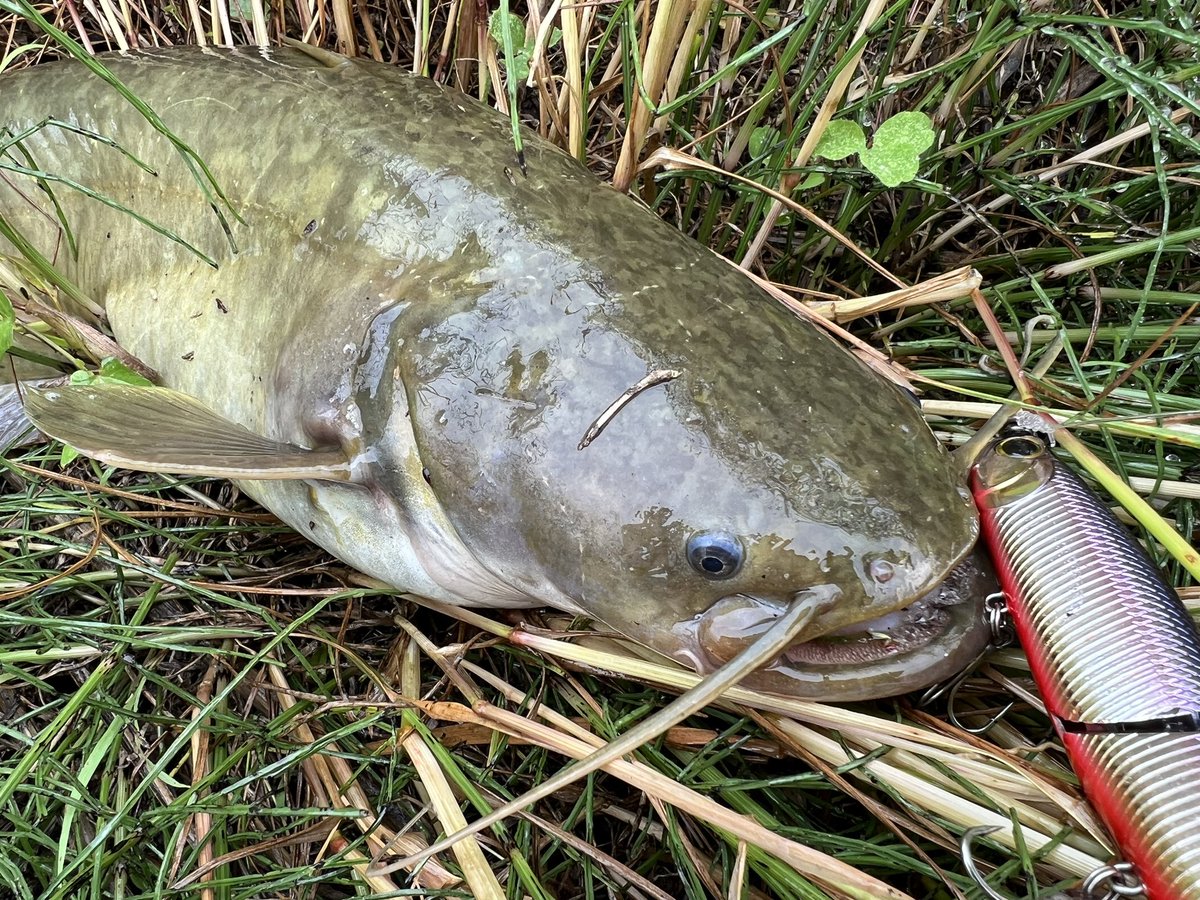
[{"x": 889, "y": 635}]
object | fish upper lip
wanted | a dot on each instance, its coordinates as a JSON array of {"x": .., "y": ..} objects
[
  {"x": 913, "y": 627},
  {"x": 918, "y": 625}
]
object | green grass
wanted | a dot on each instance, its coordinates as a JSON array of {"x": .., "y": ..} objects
[{"x": 185, "y": 685}]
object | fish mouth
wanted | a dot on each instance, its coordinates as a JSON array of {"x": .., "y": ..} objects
[
  {"x": 932, "y": 638},
  {"x": 892, "y": 634}
]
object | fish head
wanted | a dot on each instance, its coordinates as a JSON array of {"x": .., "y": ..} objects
[
  {"x": 724, "y": 507},
  {"x": 740, "y": 465}
]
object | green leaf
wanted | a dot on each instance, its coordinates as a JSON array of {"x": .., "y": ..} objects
[
  {"x": 761, "y": 138},
  {"x": 7, "y": 319},
  {"x": 522, "y": 46},
  {"x": 841, "y": 139},
  {"x": 895, "y": 152},
  {"x": 497, "y": 22},
  {"x": 812, "y": 180},
  {"x": 111, "y": 371}
]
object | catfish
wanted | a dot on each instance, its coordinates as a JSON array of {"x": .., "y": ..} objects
[{"x": 488, "y": 384}]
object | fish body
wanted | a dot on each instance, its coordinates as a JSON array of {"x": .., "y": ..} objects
[
  {"x": 1114, "y": 653},
  {"x": 398, "y": 294}
]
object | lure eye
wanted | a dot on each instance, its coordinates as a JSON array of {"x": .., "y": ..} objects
[
  {"x": 1021, "y": 447},
  {"x": 715, "y": 554}
]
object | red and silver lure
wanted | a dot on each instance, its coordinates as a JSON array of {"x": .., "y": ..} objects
[{"x": 1114, "y": 653}]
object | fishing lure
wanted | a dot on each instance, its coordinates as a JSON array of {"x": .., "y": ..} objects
[{"x": 1113, "y": 650}]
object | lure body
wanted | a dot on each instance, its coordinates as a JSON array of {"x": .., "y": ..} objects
[{"x": 1113, "y": 650}]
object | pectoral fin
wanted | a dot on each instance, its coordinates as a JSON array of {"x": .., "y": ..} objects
[{"x": 155, "y": 429}]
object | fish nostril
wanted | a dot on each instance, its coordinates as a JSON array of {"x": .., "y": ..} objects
[{"x": 881, "y": 571}]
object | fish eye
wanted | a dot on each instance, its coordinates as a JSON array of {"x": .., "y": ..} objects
[
  {"x": 1022, "y": 447},
  {"x": 715, "y": 554}
]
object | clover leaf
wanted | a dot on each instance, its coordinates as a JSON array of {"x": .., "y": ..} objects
[
  {"x": 842, "y": 138},
  {"x": 896, "y": 147}
]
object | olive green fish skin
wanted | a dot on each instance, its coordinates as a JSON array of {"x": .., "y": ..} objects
[{"x": 401, "y": 289}]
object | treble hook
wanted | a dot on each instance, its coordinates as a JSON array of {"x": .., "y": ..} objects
[
  {"x": 935, "y": 692},
  {"x": 1000, "y": 623},
  {"x": 1119, "y": 878},
  {"x": 989, "y": 368},
  {"x": 977, "y": 729},
  {"x": 968, "y": 859},
  {"x": 996, "y": 612}
]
